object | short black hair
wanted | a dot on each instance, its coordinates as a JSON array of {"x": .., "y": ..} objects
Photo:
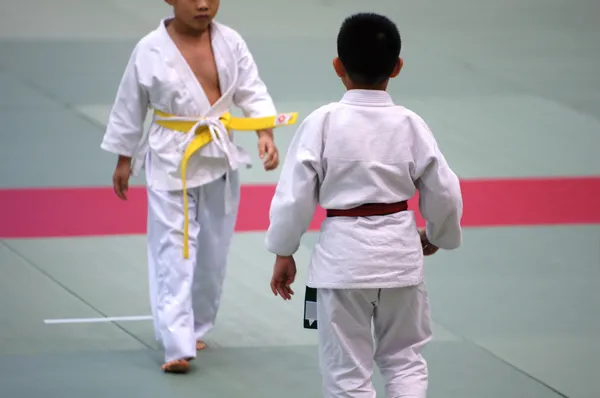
[{"x": 369, "y": 46}]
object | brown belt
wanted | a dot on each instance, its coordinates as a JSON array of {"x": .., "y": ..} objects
[{"x": 369, "y": 210}]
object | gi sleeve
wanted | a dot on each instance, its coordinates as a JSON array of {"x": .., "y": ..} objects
[
  {"x": 440, "y": 197},
  {"x": 297, "y": 192},
  {"x": 251, "y": 94},
  {"x": 125, "y": 127}
]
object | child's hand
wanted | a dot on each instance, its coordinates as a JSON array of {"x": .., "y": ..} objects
[
  {"x": 267, "y": 150},
  {"x": 121, "y": 177},
  {"x": 284, "y": 273},
  {"x": 428, "y": 248}
]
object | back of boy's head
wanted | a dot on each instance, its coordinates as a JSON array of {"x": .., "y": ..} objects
[{"x": 368, "y": 46}]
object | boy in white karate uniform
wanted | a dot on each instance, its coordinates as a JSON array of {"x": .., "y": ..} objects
[
  {"x": 361, "y": 159},
  {"x": 190, "y": 70}
]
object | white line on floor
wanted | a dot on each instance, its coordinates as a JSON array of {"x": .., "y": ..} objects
[{"x": 98, "y": 320}]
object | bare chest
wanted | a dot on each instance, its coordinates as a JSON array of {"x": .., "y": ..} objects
[{"x": 201, "y": 61}]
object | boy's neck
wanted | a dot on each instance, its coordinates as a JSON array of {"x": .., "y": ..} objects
[
  {"x": 366, "y": 88},
  {"x": 377, "y": 87},
  {"x": 181, "y": 30}
]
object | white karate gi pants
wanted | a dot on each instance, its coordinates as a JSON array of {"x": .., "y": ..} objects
[
  {"x": 401, "y": 326},
  {"x": 185, "y": 294}
]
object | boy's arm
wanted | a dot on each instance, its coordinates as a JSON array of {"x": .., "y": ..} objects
[
  {"x": 251, "y": 95},
  {"x": 296, "y": 196},
  {"x": 125, "y": 127},
  {"x": 440, "y": 198}
]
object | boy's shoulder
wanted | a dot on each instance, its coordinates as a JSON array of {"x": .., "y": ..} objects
[
  {"x": 231, "y": 35},
  {"x": 148, "y": 42},
  {"x": 407, "y": 111},
  {"x": 322, "y": 111},
  {"x": 418, "y": 126},
  {"x": 411, "y": 115},
  {"x": 227, "y": 30}
]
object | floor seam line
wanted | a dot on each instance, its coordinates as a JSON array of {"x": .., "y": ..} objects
[
  {"x": 70, "y": 291},
  {"x": 502, "y": 360}
]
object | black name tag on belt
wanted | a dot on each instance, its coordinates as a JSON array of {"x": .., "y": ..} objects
[{"x": 310, "y": 308}]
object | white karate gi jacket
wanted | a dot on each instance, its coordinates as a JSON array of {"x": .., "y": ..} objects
[
  {"x": 158, "y": 77},
  {"x": 364, "y": 149}
]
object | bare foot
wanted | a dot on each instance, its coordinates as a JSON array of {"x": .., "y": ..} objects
[
  {"x": 200, "y": 345},
  {"x": 178, "y": 366}
]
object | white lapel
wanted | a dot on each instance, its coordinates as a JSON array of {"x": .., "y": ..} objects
[
  {"x": 176, "y": 60},
  {"x": 226, "y": 68}
]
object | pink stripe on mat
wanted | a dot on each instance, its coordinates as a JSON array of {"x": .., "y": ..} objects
[{"x": 62, "y": 212}]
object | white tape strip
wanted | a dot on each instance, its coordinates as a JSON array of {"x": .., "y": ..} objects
[{"x": 98, "y": 320}]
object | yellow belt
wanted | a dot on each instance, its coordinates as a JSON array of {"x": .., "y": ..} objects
[{"x": 202, "y": 137}]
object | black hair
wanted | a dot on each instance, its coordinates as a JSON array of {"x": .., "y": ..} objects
[{"x": 369, "y": 46}]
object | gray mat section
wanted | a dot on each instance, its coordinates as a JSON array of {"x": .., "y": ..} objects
[
  {"x": 527, "y": 295},
  {"x": 525, "y": 306},
  {"x": 485, "y": 126},
  {"x": 28, "y": 295},
  {"x": 457, "y": 371},
  {"x": 510, "y": 89}
]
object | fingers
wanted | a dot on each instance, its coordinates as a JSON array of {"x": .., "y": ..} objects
[
  {"x": 125, "y": 187},
  {"x": 429, "y": 249},
  {"x": 284, "y": 290},
  {"x": 271, "y": 160},
  {"x": 290, "y": 291},
  {"x": 287, "y": 285},
  {"x": 281, "y": 287},
  {"x": 120, "y": 186},
  {"x": 284, "y": 274}
]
